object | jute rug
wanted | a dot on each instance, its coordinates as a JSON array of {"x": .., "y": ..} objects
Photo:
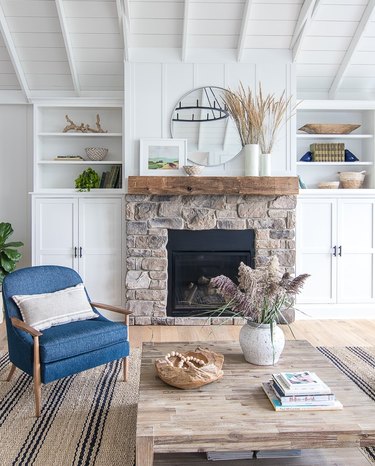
[
  {"x": 90, "y": 418},
  {"x": 86, "y": 419}
]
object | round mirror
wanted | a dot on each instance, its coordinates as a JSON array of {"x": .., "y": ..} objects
[{"x": 201, "y": 117}]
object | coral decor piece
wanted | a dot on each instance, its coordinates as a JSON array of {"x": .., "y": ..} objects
[
  {"x": 191, "y": 369},
  {"x": 82, "y": 128}
]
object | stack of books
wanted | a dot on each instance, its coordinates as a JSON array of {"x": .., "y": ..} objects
[
  {"x": 332, "y": 152},
  {"x": 300, "y": 391},
  {"x": 111, "y": 179}
]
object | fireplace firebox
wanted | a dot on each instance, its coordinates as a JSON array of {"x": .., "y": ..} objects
[{"x": 194, "y": 257}]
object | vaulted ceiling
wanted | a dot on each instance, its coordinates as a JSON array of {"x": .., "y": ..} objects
[{"x": 77, "y": 47}]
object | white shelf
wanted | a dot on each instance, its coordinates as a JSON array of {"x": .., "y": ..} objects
[
  {"x": 86, "y": 135},
  {"x": 348, "y": 164},
  {"x": 333, "y": 136},
  {"x": 79, "y": 162}
]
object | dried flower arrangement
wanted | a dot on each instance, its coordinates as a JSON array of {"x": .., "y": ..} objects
[
  {"x": 258, "y": 118},
  {"x": 261, "y": 294}
]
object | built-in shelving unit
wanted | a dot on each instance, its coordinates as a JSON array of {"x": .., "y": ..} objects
[
  {"x": 50, "y": 141},
  {"x": 360, "y": 142}
]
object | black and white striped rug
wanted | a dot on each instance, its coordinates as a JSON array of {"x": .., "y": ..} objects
[
  {"x": 90, "y": 418},
  {"x": 357, "y": 363},
  {"x": 86, "y": 419}
]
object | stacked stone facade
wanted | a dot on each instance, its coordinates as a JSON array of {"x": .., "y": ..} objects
[{"x": 148, "y": 218}]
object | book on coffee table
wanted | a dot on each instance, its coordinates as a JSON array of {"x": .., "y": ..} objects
[
  {"x": 301, "y": 388},
  {"x": 278, "y": 406}
]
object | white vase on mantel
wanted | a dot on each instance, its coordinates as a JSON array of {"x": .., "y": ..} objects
[
  {"x": 259, "y": 345},
  {"x": 265, "y": 164},
  {"x": 251, "y": 156}
]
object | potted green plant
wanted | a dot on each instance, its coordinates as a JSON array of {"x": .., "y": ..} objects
[
  {"x": 9, "y": 256},
  {"x": 260, "y": 297},
  {"x": 87, "y": 180}
]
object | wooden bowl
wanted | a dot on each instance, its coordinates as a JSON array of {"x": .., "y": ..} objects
[
  {"x": 193, "y": 170},
  {"x": 329, "y": 185},
  {"x": 191, "y": 374},
  {"x": 332, "y": 128}
]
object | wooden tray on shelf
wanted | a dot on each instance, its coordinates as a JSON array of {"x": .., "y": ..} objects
[{"x": 331, "y": 128}]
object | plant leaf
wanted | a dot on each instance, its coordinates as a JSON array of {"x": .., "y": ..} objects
[
  {"x": 7, "y": 264},
  {"x": 2, "y": 275},
  {"x": 12, "y": 254},
  {"x": 16, "y": 244},
  {"x": 5, "y": 231}
]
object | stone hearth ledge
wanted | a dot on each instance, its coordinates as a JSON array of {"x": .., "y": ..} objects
[{"x": 148, "y": 218}]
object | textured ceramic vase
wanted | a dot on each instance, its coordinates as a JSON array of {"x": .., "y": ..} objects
[
  {"x": 257, "y": 345},
  {"x": 265, "y": 164},
  {"x": 251, "y": 156}
]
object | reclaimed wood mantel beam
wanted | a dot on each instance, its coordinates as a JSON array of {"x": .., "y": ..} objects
[{"x": 198, "y": 185}]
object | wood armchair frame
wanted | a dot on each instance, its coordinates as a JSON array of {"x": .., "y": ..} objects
[{"x": 36, "y": 334}]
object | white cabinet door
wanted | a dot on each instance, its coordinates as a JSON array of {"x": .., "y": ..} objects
[
  {"x": 355, "y": 260},
  {"x": 100, "y": 248},
  {"x": 55, "y": 232},
  {"x": 316, "y": 234}
]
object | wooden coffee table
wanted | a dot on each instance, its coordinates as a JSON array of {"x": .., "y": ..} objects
[{"x": 234, "y": 414}]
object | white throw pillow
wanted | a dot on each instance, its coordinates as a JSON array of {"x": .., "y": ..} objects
[{"x": 45, "y": 310}]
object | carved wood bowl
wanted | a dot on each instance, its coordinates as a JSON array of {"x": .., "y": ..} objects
[{"x": 200, "y": 367}]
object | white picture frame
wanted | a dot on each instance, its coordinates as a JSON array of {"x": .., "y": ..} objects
[{"x": 162, "y": 157}]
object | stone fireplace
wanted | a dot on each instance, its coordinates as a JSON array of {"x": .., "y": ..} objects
[{"x": 150, "y": 218}]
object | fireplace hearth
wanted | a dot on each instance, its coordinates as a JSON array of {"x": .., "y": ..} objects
[{"x": 194, "y": 257}]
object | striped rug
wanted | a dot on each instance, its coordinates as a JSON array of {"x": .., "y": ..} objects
[
  {"x": 90, "y": 418},
  {"x": 86, "y": 419},
  {"x": 357, "y": 363}
]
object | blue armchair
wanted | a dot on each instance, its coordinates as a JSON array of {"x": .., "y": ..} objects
[{"x": 65, "y": 349}]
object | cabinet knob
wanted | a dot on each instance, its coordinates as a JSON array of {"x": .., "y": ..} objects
[
  {"x": 335, "y": 251},
  {"x": 340, "y": 251},
  {"x": 80, "y": 252},
  {"x": 75, "y": 252}
]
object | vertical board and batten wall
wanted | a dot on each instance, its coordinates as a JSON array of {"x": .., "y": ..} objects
[{"x": 152, "y": 90}]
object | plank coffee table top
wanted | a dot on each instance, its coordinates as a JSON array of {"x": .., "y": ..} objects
[{"x": 234, "y": 412}]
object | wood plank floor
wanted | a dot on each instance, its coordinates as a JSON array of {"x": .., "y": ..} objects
[{"x": 318, "y": 333}]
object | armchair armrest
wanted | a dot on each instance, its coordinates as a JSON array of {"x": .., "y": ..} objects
[
  {"x": 109, "y": 307},
  {"x": 25, "y": 327}
]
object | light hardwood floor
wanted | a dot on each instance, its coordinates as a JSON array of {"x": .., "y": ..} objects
[{"x": 317, "y": 332}]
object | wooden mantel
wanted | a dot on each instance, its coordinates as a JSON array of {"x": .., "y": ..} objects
[{"x": 195, "y": 185}]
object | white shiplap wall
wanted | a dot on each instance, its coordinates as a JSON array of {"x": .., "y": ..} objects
[{"x": 152, "y": 90}]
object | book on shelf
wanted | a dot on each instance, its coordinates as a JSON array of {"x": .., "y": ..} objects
[
  {"x": 112, "y": 178},
  {"x": 278, "y": 406},
  {"x": 301, "y": 388},
  {"x": 69, "y": 157}
]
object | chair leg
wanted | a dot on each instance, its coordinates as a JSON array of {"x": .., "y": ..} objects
[
  {"x": 11, "y": 372},
  {"x": 126, "y": 369},
  {"x": 37, "y": 378}
]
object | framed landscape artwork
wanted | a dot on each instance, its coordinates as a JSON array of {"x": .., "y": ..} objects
[{"x": 162, "y": 157}]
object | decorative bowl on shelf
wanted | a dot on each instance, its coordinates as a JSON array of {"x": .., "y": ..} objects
[
  {"x": 328, "y": 184},
  {"x": 308, "y": 157},
  {"x": 328, "y": 128},
  {"x": 350, "y": 157},
  {"x": 352, "y": 180},
  {"x": 193, "y": 170},
  {"x": 96, "y": 153}
]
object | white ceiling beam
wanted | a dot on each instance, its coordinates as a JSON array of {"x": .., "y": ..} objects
[
  {"x": 68, "y": 45},
  {"x": 306, "y": 20},
  {"x": 124, "y": 23},
  {"x": 345, "y": 63},
  {"x": 244, "y": 29},
  {"x": 185, "y": 31},
  {"x": 8, "y": 40},
  {"x": 305, "y": 12}
]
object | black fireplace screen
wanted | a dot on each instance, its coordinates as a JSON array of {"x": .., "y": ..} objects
[{"x": 194, "y": 257}]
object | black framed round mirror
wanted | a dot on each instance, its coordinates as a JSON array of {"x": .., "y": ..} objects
[{"x": 201, "y": 117}]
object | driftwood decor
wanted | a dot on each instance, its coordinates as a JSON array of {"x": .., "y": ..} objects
[
  {"x": 192, "y": 369},
  {"x": 82, "y": 128}
]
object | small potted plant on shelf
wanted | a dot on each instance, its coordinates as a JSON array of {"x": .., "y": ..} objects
[
  {"x": 87, "y": 180},
  {"x": 260, "y": 297},
  {"x": 9, "y": 256}
]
